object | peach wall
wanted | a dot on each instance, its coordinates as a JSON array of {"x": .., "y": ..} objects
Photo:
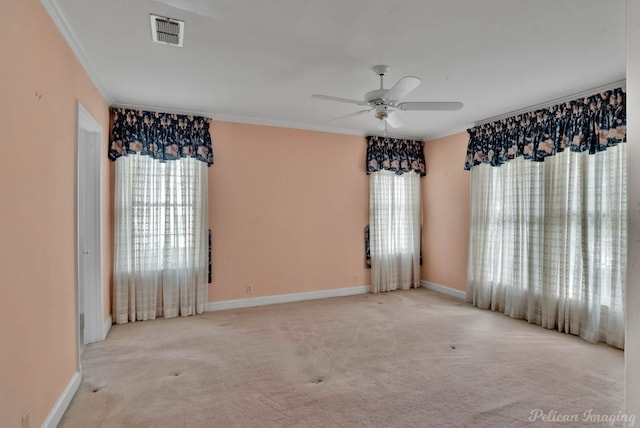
[
  {"x": 287, "y": 209},
  {"x": 40, "y": 81},
  {"x": 446, "y": 199}
]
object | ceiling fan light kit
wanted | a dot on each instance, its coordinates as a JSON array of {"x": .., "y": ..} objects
[{"x": 384, "y": 102}]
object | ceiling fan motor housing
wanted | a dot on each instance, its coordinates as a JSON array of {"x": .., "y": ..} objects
[{"x": 376, "y": 96}]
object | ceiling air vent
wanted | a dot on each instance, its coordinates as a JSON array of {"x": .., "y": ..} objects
[{"x": 166, "y": 30}]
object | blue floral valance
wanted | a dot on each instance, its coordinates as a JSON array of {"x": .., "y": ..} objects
[
  {"x": 394, "y": 154},
  {"x": 163, "y": 136},
  {"x": 590, "y": 124}
]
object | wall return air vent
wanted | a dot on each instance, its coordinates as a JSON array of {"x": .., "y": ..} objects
[{"x": 166, "y": 30}]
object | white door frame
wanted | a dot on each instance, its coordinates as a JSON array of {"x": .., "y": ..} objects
[{"x": 93, "y": 304}]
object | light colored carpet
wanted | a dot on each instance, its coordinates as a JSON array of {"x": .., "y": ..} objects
[{"x": 404, "y": 359}]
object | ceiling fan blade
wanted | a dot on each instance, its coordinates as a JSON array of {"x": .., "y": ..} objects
[
  {"x": 350, "y": 115},
  {"x": 394, "y": 121},
  {"x": 430, "y": 106},
  {"x": 340, "y": 100},
  {"x": 402, "y": 88}
]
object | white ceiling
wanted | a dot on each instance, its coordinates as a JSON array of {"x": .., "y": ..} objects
[{"x": 259, "y": 61}]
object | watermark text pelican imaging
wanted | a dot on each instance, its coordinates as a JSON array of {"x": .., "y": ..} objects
[{"x": 586, "y": 417}]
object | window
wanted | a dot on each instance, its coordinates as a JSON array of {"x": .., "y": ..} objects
[
  {"x": 394, "y": 214},
  {"x": 548, "y": 241},
  {"x": 162, "y": 193},
  {"x": 161, "y": 242}
]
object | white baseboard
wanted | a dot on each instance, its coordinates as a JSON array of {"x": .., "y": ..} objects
[
  {"x": 444, "y": 290},
  {"x": 61, "y": 405},
  {"x": 286, "y": 298},
  {"x": 106, "y": 327}
]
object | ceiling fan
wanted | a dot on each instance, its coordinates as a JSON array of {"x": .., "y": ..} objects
[{"x": 385, "y": 102}]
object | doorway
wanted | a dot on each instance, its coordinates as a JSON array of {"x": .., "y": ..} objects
[{"x": 90, "y": 307}]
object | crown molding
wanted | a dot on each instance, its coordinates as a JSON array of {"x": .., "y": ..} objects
[
  {"x": 287, "y": 124},
  {"x": 544, "y": 105},
  {"x": 263, "y": 122},
  {"x": 245, "y": 119},
  {"x": 58, "y": 19},
  {"x": 452, "y": 131}
]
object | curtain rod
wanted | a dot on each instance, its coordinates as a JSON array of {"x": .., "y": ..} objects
[{"x": 613, "y": 85}]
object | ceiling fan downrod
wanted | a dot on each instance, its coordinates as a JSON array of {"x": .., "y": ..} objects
[{"x": 380, "y": 70}]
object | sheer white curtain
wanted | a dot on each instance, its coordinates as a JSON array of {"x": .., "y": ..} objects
[
  {"x": 394, "y": 211},
  {"x": 548, "y": 242},
  {"x": 161, "y": 238}
]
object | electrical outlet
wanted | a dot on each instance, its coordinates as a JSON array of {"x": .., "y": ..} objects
[
  {"x": 249, "y": 288},
  {"x": 26, "y": 419},
  {"x": 356, "y": 277}
]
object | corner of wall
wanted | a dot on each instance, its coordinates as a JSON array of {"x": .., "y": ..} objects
[{"x": 446, "y": 205}]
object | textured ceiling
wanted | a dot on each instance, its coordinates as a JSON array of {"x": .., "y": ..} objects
[{"x": 259, "y": 61}]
